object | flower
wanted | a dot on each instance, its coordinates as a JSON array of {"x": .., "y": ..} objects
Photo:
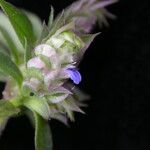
[
  {"x": 54, "y": 63},
  {"x": 74, "y": 75},
  {"x": 55, "y": 60},
  {"x": 85, "y": 23},
  {"x": 87, "y": 12}
]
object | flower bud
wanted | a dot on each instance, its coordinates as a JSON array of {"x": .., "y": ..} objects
[
  {"x": 35, "y": 62},
  {"x": 65, "y": 42},
  {"x": 44, "y": 49},
  {"x": 48, "y": 55}
]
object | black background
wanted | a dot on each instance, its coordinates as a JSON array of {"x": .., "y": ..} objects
[{"x": 116, "y": 73}]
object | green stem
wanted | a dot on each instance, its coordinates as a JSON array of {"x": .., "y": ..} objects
[{"x": 43, "y": 135}]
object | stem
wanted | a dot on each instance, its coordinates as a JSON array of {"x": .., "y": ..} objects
[{"x": 43, "y": 135}]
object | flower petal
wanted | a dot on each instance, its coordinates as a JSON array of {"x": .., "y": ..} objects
[{"x": 74, "y": 75}]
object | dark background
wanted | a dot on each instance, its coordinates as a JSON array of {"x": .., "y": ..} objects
[{"x": 116, "y": 73}]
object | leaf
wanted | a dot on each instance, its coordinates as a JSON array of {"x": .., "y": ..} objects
[
  {"x": 38, "y": 105},
  {"x": 21, "y": 25},
  {"x": 36, "y": 23},
  {"x": 7, "y": 109},
  {"x": 9, "y": 28},
  {"x": 10, "y": 43},
  {"x": 19, "y": 21},
  {"x": 51, "y": 18},
  {"x": 9, "y": 68},
  {"x": 43, "y": 135}
]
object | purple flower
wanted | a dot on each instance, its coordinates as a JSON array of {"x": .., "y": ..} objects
[
  {"x": 74, "y": 75},
  {"x": 87, "y": 12},
  {"x": 86, "y": 23}
]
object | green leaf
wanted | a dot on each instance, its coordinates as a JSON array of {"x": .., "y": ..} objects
[
  {"x": 38, "y": 105},
  {"x": 7, "y": 109},
  {"x": 10, "y": 43},
  {"x": 51, "y": 18},
  {"x": 21, "y": 25},
  {"x": 9, "y": 28},
  {"x": 5, "y": 23},
  {"x": 9, "y": 68},
  {"x": 36, "y": 23},
  {"x": 43, "y": 135}
]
